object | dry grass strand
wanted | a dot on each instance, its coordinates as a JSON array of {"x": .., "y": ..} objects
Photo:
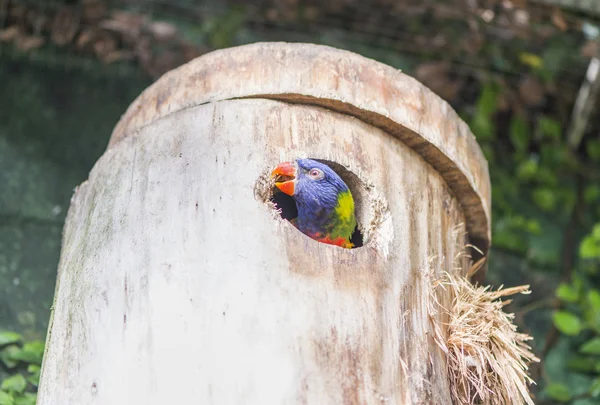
[{"x": 487, "y": 358}]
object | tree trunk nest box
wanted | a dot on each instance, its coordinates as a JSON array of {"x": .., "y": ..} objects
[{"x": 180, "y": 283}]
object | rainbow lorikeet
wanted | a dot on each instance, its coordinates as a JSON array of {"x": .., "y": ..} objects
[{"x": 325, "y": 204}]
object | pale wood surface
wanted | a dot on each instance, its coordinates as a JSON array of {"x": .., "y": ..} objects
[
  {"x": 177, "y": 285},
  {"x": 344, "y": 82}
]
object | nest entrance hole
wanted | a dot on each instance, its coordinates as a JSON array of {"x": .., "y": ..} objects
[{"x": 286, "y": 205}]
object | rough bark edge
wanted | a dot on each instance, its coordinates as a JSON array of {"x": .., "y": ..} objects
[
  {"x": 342, "y": 81},
  {"x": 68, "y": 228}
]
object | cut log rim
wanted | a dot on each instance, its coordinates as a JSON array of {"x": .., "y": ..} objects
[{"x": 340, "y": 81}]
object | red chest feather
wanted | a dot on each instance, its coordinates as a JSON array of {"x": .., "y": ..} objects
[{"x": 337, "y": 241}]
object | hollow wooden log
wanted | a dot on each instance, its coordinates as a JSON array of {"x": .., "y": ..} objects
[{"x": 179, "y": 282}]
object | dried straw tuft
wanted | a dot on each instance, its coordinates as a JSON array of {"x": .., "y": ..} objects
[{"x": 487, "y": 358}]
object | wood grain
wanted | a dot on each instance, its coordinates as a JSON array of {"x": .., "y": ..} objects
[
  {"x": 344, "y": 82},
  {"x": 177, "y": 285}
]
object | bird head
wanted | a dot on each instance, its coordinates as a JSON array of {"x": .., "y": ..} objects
[
  {"x": 310, "y": 183},
  {"x": 325, "y": 204}
]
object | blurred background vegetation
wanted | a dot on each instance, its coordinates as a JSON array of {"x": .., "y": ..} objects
[{"x": 522, "y": 73}]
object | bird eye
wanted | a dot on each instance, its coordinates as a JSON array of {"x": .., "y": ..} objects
[{"x": 315, "y": 174}]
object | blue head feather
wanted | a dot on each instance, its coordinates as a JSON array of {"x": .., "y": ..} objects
[{"x": 316, "y": 199}]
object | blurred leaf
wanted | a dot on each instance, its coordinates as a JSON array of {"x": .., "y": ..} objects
[
  {"x": 544, "y": 248},
  {"x": 227, "y": 27},
  {"x": 595, "y": 388},
  {"x": 555, "y": 156},
  {"x": 510, "y": 241},
  {"x": 498, "y": 56},
  {"x": 33, "y": 368},
  {"x": 596, "y": 232},
  {"x": 34, "y": 377},
  {"x": 531, "y": 60},
  {"x": 591, "y": 346},
  {"x": 519, "y": 134},
  {"x": 567, "y": 323},
  {"x": 7, "y": 355},
  {"x": 27, "y": 398},
  {"x": 6, "y": 398},
  {"x": 482, "y": 124},
  {"x": 592, "y": 147},
  {"x": 32, "y": 352},
  {"x": 589, "y": 248},
  {"x": 488, "y": 152},
  {"x": 568, "y": 197},
  {"x": 591, "y": 194},
  {"x": 578, "y": 282},
  {"x": 534, "y": 227},
  {"x": 581, "y": 364},
  {"x": 545, "y": 198},
  {"x": 567, "y": 293},
  {"x": 487, "y": 102},
  {"x": 592, "y": 311},
  {"x": 547, "y": 176},
  {"x": 483, "y": 128},
  {"x": 550, "y": 128},
  {"x": 505, "y": 235},
  {"x": 557, "y": 51},
  {"x": 527, "y": 169},
  {"x": 8, "y": 337},
  {"x": 559, "y": 392},
  {"x": 592, "y": 319},
  {"x": 15, "y": 383},
  {"x": 590, "y": 268},
  {"x": 594, "y": 299}
]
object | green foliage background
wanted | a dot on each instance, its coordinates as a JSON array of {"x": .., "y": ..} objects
[
  {"x": 24, "y": 361},
  {"x": 59, "y": 109}
]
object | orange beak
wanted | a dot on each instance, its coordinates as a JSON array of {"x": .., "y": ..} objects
[{"x": 285, "y": 177}]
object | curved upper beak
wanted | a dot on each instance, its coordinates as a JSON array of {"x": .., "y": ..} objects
[{"x": 285, "y": 177}]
